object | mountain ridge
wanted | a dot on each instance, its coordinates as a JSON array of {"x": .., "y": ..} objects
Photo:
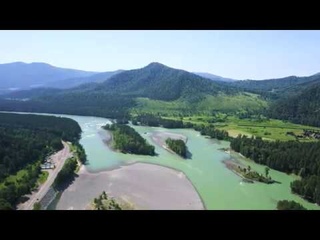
[
  {"x": 214, "y": 77},
  {"x": 27, "y": 75}
]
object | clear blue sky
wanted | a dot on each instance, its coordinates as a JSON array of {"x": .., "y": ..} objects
[{"x": 233, "y": 54}]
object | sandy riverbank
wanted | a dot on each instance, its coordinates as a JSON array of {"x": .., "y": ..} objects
[
  {"x": 160, "y": 138},
  {"x": 146, "y": 186}
]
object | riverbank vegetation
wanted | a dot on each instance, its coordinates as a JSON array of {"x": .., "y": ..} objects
[
  {"x": 225, "y": 125},
  {"x": 211, "y": 131},
  {"x": 127, "y": 140},
  {"x": 66, "y": 175},
  {"x": 25, "y": 141},
  {"x": 43, "y": 177},
  {"x": 104, "y": 202},
  {"x": 289, "y": 205},
  {"x": 80, "y": 153},
  {"x": 308, "y": 187},
  {"x": 178, "y": 146},
  {"x": 248, "y": 174},
  {"x": 300, "y": 158},
  {"x": 157, "y": 121},
  {"x": 251, "y": 125},
  {"x": 255, "y": 176}
]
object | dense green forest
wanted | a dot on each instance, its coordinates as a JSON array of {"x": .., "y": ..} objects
[
  {"x": 82, "y": 156},
  {"x": 27, "y": 138},
  {"x": 127, "y": 140},
  {"x": 66, "y": 175},
  {"x": 25, "y": 141},
  {"x": 308, "y": 187},
  {"x": 157, "y": 81},
  {"x": 75, "y": 103},
  {"x": 289, "y": 205},
  {"x": 303, "y": 108},
  {"x": 275, "y": 86},
  {"x": 301, "y": 158},
  {"x": 178, "y": 146}
]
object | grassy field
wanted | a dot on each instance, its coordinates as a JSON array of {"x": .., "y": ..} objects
[
  {"x": 43, "y": 177},
  {"x": 18, "y": 177},
  {"x": 268, "y": 129},
  {"x": 225, "y": 111},
  {"x": 221, "y": 102}
]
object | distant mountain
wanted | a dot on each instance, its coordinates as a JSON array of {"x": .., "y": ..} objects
[
  {"x": 123, "y": 91},
  {"x": 214, "y": 77},
  {"x": 73, "y": 82},
  {"x": 19, "y": 75},
  {"x": 274, "y": 85},
  {"x": 32, "y": 93}
]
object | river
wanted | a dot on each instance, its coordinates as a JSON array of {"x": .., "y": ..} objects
[{"x": 218, "y": 187}]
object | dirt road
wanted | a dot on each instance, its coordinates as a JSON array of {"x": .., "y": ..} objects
[{"x": 58, "y": 159}]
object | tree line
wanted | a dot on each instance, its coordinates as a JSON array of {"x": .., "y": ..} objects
[
  {"x": 289, "y": 205},
  {"x": 81, "y": 153},
  {"x": 104, "y": 202},
  {"x": 66, "y": 175},
  {"x": 127, "y": 140},
  {"x": 157, "y": 121},
  {"x": 211, "y": 131},
  {"x": 178, "y": 146},
  {"x": 301, "y": 158}
]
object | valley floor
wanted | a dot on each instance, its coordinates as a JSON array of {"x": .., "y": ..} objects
[{"x": 267, "y": 129}]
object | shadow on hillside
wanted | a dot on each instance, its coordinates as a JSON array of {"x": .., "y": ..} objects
[
  {"x": 189, "y": 155},
  {"x": 63, "y": 186}
]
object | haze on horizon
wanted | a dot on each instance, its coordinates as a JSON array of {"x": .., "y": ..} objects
[{"x": 232, "y": 54}]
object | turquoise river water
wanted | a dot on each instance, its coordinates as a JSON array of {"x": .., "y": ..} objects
[{"x": 218, "y": 187}]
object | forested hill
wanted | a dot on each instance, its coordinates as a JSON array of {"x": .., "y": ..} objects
[
  {"x": 65, "y": 128},
  {"x": 25, "y": 141},
  {"x": 280, "y": 85},
  {"x": 157, "y": 87},
  {"x": 116, "y": 96},
  {"x": 302, "y": 108},
  {"x": 157, "y": 81}
]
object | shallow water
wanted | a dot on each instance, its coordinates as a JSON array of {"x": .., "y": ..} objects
[{"x": 218, "y": 187}]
